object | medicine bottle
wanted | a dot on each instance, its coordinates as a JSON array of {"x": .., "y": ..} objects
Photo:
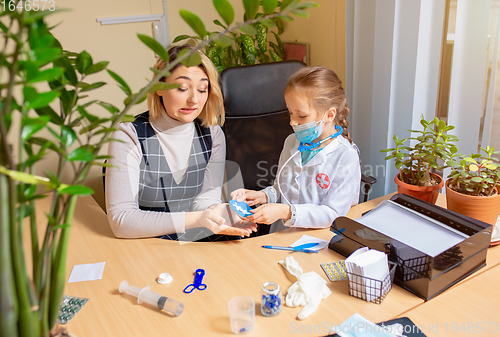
[{"x": 271, "y": 299}]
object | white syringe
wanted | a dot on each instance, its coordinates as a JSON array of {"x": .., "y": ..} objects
[{"x": 150, "y": 297}]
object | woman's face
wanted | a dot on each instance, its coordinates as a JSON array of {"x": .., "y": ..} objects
[{"x": 186, "y": 102}]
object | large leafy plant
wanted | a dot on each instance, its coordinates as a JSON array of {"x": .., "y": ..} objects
[
  {"x": 46, "y": 109},
  {"x": 433, "y": 149},
  {"x": 251, "y": 44},
  {"x": 476, "y": 174}
]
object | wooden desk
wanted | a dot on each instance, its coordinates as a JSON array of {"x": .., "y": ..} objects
[
  {"x": 472, "y": 308},
  {"x": 232, "y": 268}
]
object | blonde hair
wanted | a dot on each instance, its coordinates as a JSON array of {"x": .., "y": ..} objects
[
  {"x": 213, "y": 112},
  {"x": 323, "y": 89}
]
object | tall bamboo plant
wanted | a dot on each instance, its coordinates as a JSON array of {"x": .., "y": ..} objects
[{"x": 46, "y": 109}]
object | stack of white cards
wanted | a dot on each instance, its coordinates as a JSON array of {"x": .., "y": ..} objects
[{"x": 367, "y": 270}]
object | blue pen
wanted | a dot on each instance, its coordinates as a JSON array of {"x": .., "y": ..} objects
[{"x": 292, "y": 249}]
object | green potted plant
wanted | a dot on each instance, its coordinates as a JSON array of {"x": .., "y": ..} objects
[
  {"x": 431, "y": 151},
  {"x": 472, "y": 187},
  {"x": 251, "y": 44},
  {"x": 45, "y": 109}
]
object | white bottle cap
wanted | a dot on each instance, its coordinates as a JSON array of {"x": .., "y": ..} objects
[{"x": 165, "y": 278}]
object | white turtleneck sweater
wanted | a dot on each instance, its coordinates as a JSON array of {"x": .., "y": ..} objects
[{"x": 122, "y": 182}]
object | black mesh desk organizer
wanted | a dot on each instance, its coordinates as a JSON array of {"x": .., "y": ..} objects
[{"x": 365, "y": 287}]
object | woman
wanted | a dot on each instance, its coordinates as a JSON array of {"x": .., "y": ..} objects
[{"x": 168, "y": 165}]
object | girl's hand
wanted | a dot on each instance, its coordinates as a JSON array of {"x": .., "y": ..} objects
[
  {"x": 269, "y": 213},
  {"x": 251, "y": 197},
  {"x": 221, "y": 219}
]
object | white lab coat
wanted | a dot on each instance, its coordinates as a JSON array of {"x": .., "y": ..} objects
[{"x": 320, "y": 191}]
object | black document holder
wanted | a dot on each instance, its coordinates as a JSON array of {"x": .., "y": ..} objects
[{"x": 422, "y": 274}]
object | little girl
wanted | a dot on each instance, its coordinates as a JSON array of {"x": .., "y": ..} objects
[{"x": 322, "y": 183}]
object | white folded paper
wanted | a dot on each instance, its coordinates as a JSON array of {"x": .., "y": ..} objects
[
  {"x": 308, "y": 291},
  {"x": 86, "y": 272},
  {"x": 358, "y": 326},
  {"x": 367, "y": 263}
]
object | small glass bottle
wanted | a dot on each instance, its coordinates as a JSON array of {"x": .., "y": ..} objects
[{"x": 271, "y": 299}]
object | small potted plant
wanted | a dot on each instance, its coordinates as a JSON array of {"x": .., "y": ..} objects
[
  {"x": 432, "y": 150},
  {"x": 473, "y": 186}
]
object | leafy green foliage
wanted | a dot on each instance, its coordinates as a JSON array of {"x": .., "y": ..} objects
[
  {"x": 251, "y": 8},
  {"x": 154, "y": 45},
  {"x": 476, "y": 174},
  {"x": 194, "y": 22},
  {"x": 225, "y": 10},
  {"x": 432, "y": 151},
  {"x": 252, "y": 44},
  {"x": 269, "y": 6},
  {"x": 38, "y": 61},
  {"x": 189, "y": 60}
]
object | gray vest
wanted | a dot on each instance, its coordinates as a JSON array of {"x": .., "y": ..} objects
[{"x": 158, "y": 190}]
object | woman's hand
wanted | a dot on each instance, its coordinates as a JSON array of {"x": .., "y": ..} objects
[
  {"x": 221, "y": 219},
  {"x": 269, "y": 213},
  {"x": 251, "y": 197}
]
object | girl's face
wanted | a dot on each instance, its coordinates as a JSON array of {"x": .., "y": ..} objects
[
  {"x": 300, "y": 111},
  {"x": 186, "y": 102}
]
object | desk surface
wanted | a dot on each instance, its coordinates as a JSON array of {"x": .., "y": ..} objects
[
  {"x": 232, "y": 268},
  {"x": 471, "y": 308}
]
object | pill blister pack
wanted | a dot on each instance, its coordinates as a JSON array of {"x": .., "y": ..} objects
[
  {"x": 70, "y": 305},
  {"x": 336, "y": 271}
]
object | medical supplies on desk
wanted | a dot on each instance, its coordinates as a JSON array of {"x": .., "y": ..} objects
[{"x": 432, "y": 247}]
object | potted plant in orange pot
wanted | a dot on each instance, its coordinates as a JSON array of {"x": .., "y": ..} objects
[
  {"x": 473, "y": 186},
  {"x": 432, "y": 151}
]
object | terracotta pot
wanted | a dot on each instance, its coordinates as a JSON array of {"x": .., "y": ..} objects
[
  {"x": 425, "y": 193},
  {"x": 478, "y": 207}
]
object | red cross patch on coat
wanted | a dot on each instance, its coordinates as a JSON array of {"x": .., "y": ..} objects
[{"x": 323, "y": 180}]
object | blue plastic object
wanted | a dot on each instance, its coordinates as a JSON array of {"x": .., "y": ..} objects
[
  {"x": 241, "y": 208},
  {"x": 198, "y": 279},
  {"x": 311, "y": 146},
  {"x": 301, "y": 248}
]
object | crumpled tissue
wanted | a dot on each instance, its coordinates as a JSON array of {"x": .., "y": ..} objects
[{"x": 308, "y": 291}]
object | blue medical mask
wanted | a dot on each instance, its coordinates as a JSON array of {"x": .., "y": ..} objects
[
  {"x": 308, "y": 132},
  {"x": 302, "y": 147}
]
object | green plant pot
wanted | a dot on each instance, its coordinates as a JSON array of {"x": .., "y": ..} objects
[
  {"x": 425, "y": 193},
  {"x": 482, "y": 208}
]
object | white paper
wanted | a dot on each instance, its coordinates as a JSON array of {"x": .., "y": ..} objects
[
  {"x": 367, "y": 263},
  {"x": 358, "y": 326},
  {"x": 410, "y": 229},
  {"x": 86, "y": 272},
  {"x": 373, "y": 264},
  {"x": 311, "y": 239},
  {"x": 355, "y": 276}
]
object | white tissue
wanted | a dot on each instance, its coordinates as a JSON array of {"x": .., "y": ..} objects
[{"x": 308, "y": 291}]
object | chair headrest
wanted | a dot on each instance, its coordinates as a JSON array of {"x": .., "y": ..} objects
[{"x": 258, "y": 89}]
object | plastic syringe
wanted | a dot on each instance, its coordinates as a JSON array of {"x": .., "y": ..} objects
[{"x": 152, "y": 298}]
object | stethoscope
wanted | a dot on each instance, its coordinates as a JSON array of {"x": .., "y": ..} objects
[{"x": 303, "y": 147}]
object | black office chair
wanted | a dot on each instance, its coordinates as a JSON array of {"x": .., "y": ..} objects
[{"x": 257, "y": 123}]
